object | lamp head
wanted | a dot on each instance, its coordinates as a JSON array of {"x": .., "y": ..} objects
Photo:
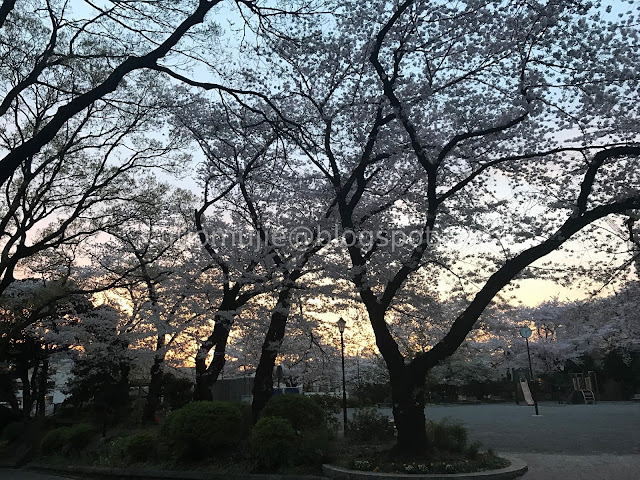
[{"x": 341, "y": 324}]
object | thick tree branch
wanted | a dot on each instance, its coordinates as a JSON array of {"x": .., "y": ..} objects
[
  {"x": 33, "y": 145},
  {"x": 510, "y": 270}
]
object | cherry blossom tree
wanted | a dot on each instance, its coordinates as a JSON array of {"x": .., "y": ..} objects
[
  {"x": 499, "y": 123},
  {"x": 251, "y": 180},
  {"x": 51, "y": 321},
  {"x": 100, "y": 373},
  {"x": 81, "y": 86},
  {"x": 156, "y": 254}
]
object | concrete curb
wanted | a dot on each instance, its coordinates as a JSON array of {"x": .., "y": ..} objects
[
  {"x": 138, "y": 474},
  {"x": 518, "y": 467}
]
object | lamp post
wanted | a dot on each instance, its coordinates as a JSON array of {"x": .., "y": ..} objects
[
  {"x": 526, "y": 333},
  {"x": 341, "y": 325}
]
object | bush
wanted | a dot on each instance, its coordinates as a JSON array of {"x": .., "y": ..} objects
[
  {"x": 67, "y": 439},
  {"x": 329, "y": 403},
  {"x": 247, "y": 418},
  {"x": 8, "y": 416},
  {"x": 200, "y": 428},
  {"x": 139, "y": 447},
  {"x": 448, "y": 436},
  {"x": 53, "y": 441},
  {"x": 473, "y": 450},
  {"x": 369, "y": 425},
  {"x": 77, "y": 436},
  {"x": 13, "y": 431},
  {"x": 315, "y": 447},
  {"x": 372, "y": 393},
  {"x": 176, "y": 392},
  {"x": 302, "y": 412},
  {"x": 274, "y": 442}
]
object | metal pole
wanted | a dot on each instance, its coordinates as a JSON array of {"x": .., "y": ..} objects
[
  {"x": 344, "y": 384},
  {"x": 535, "y": 399}
]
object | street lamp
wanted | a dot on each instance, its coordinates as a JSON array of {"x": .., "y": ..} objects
[
  {"x": 341, "y": 325},
  {"x": 526, "y": 332}
]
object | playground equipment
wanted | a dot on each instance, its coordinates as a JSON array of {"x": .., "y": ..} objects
[
  {"x": 583, "y": 388},
  {"x": 526, "y": 392}
]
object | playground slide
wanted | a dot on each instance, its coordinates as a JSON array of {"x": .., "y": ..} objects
[{"x": 525, "y": 390}]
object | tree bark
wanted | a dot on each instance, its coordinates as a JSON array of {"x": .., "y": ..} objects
[
  {"x": 155, "y": 390},
  {"x": 263, "y": 381},
  {"x": 207, "y": 376},
  {"x": 408, "y": 395},
  {"x": 122, "y": 388},
  {"x": 27, "y": 402},
  {"x": 42, "y": 388}
]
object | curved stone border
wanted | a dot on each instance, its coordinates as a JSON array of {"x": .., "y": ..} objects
[
  {"x": 518, "y": 467},
  {"x": 94, "y": 473}
]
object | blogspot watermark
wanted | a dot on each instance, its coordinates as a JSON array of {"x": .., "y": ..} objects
[{"x": 303, "y": 237}]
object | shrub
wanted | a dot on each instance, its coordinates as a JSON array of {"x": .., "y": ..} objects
[
  {"x": 202, "y": 427},
  {"x": 329, "y": 403},
  {"x": 447, "y": 436},
  {"x": 13, "y": 431},
  {"x": 247, "y": 418},
  {"x": 8, "y": 416},
  {"x": 369, "y": 425},
  {"x": 77, "y": 436},
  {"x": 315, "y": 447},
  {"x": 53, "y": 441},
  {"x": 473, "y": 450},
  {"x": 113, "y": 452},
  {"x": 67, "y": 439},
  {"x": 139, "y": 447},
  {"x": 176, "y": 391},
  {"x": 302, "y": 412},
  {"x": 372, "y": 393},
  {"x": 274, "y": 442}
]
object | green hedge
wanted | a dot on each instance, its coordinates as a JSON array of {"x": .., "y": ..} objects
[
  {"x": 306, "y": 418},
  {"x": 274, "y": 442},
  {"x": 13, "y": 431},
  {"x": 200, "y": 428},
  {"x": 302, "y": 412},
  {"x": 67, "y": 439},
  {"x": 139, "y": 447},
  {"x": 447, "y": 435},
  {"x": 367, "y": 425}
]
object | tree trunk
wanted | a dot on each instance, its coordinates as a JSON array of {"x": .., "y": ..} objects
[
  {"x": 27, "y": 398},
  {"x": 207, "y": 376},
  {"x": 155, "y": 390},
  {"x": 42, "y": 388},
  {"x": 263, "y": 381},
  {"x": 407, "y": 386},
  {"x": 407, "y": 392},
  {"x": 122, "y": 391},
  {"x": 204, "y": 382}
]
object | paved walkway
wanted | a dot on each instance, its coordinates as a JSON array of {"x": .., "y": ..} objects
[
  {"x": 9, "y": 474},
  {"x": 560, "y": 429},
  {"x": 581, "y": 467},
  {"x": 567, "y": 442}
]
